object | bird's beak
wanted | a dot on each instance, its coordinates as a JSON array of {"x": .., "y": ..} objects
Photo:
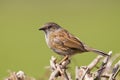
[{"x": 42, "y": 28}]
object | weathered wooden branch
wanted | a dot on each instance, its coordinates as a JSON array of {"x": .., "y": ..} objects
[
  {"x": 20, "y": 75},
  {"x": 115, "y": 71},
  {"x": 85, "y": 72},
  {"x": 103, "y": 66},
  {"x": 58, "y": 69},
  {"x": 105, "y": 71}
]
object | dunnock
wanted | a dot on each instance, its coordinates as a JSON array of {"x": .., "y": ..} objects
[{"x": 64, "y": 43}]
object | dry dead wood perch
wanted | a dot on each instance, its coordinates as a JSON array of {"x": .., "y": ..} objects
[
  {"x": 104, "y": 72},
  {"x": 103, "y": 67},
  {"x": 20, "y": 75},
  {"x": 83, "y": 72},
  {"x": 59, "y": 69}
]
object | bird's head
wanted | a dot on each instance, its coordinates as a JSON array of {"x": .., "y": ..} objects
[{"x": 50, "y": 27}]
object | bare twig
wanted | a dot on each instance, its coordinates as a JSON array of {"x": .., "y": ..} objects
[
  {"x": 115, "y": 71},
  {"x": 84, "y": 72},
  {"x": 58, "y": 69},
  {"x": 103, "y": 66},
  {"x": 20, "y": 75},
  {"x": 94, "y": 62}
]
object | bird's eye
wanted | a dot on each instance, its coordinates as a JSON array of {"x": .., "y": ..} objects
[{"x": 49, "y": 27}]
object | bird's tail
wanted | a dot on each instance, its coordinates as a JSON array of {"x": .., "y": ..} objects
[{"x": 97, "y": 51}]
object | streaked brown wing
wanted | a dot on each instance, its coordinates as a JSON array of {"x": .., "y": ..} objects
[{"x": 69, "y": 40}]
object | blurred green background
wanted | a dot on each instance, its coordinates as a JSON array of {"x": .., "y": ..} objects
[{"x": 23, "y": 47}]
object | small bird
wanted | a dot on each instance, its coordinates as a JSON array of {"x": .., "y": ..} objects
[{"x": 64, "y": 43}]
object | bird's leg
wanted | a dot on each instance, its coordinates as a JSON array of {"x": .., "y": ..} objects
[{"x": 64, "y": 59}]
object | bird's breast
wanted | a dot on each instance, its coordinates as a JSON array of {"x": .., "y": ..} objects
[
  {"x": 47, "y": 40},
  {"x": 50, "y": 40}
]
